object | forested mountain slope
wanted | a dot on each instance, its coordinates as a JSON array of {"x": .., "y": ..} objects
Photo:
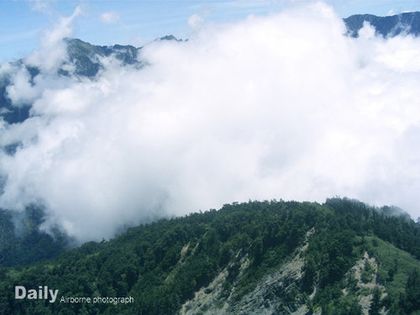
[{"x": 341, "y": 257}]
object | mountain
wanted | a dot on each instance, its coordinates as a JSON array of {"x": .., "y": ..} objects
[
  {"x": 22, "y": 242},
  {"x": 340, "y": 257},
  {"x": 387, "y": 26},
  {"x": 83, "y": 57},
  {"x": 86, "y": 58}
]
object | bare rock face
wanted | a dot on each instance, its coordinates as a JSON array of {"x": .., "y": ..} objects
[
  {"x": 365, "y": 274},
  {"x": 276, "y": 293}
]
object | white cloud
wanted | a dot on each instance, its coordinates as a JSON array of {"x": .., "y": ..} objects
[
  {"x": 110, "y": 17},
  {"x": 21, "y": 91},
  {"x": 52, "y": 52},
  {"x": 195, "y": 21},
  {"x": 283, "y": 106},
  {"x": 41, "y": 5},
  {"x": 51, "y": 55}
]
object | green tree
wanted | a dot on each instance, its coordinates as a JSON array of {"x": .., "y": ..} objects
[{"x": 375, "y": 305}]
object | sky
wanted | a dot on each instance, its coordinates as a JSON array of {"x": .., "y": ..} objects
[{"x": 138, "y": 22}]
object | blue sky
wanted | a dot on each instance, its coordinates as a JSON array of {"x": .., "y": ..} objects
[{"x": 139, "y": 21}]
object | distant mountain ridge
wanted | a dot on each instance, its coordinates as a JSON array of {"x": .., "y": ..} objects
[
  {"x": 387, "y": 26},
  {"x": 84, "y": 57}
]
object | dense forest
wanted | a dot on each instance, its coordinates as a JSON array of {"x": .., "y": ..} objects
[{"x": 273, "y": 257}]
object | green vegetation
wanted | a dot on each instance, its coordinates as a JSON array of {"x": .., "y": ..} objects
[
  {"x": 395, "y": 265},
  {"x": 350, "y": 253},
  {"x": 23, "y": 243}
]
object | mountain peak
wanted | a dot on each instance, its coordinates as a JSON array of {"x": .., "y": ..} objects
[{"x": 170, "y": 37}]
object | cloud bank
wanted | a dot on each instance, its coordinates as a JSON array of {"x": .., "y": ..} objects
[{"x": 283, "y": 106}]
